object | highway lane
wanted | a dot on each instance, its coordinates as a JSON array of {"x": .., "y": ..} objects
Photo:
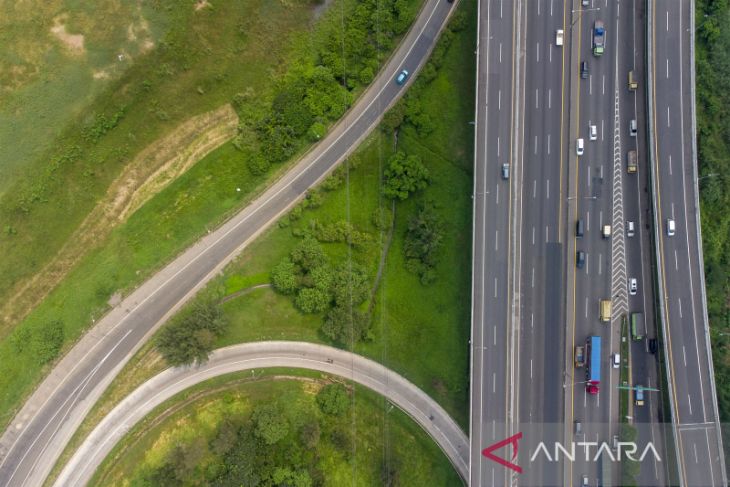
[
  {"x": 260, "y": 355},
  {"x": 60, "y": 403},
  {"x": 490, "y": 383},
  {"x": 541, "y": 252},
  {"x": 687, "y": 343}
]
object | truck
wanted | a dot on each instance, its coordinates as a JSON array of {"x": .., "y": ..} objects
[
  {"x": 631, "y": 164},
  {"x": 639, "y": 396},
  {"x": 599, "y": 38},
  {"x": 604, "y": 310},
  {"x": 579, "y": 357},
  {"x": 637, "y": 326},
  {"x": 593, "y": 373},
  {"x": 633, "y": 84}
]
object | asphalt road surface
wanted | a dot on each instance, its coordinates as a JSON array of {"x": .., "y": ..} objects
[
  {"x": 57, "y": 407},
  {"x": 250, "y": 356},
  {"x": 687, "y": 333}
]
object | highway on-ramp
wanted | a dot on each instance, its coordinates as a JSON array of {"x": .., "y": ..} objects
[
  {"x": 409, "y": 398},
  {"x": 29, "y": 447}
]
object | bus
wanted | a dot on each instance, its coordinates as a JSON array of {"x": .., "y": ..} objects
[
  {"x": 637, "y": 326},
  {"x": 593, "y": 372}
]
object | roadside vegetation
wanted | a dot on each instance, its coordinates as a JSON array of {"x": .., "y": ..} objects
[
  {"x": 713, "y": 133},
  {"x": 288, "y": 428},
  {"x": 272, "y": 61},
  {"x": 377, "y": 258}
]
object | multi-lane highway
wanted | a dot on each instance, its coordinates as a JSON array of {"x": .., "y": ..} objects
[
  {"x": 691, "y": 381},
  {"x": 30, "y": 446}
]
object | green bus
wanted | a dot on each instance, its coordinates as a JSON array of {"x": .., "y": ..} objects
[{"x": 637, "y": 326}]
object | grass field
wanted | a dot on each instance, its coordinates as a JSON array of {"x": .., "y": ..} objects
[
  {"x": 55, "y": 57},
  {"x": 377, "y": 433},
  {"x": 197, "y": 200}
]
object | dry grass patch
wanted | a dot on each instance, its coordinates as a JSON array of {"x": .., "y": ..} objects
[{"x": 149, "y": 173}]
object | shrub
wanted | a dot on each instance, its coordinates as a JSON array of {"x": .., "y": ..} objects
[
  {"x": 190, "y": 339},
  {"x": 422, "y": 242},
  {"x": 333, "y": 399}
]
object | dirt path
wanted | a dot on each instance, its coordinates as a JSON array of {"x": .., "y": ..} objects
[{"x": 147, "y": 174}]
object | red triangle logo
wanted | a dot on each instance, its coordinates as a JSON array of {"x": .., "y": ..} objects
[{"x": 512, "y": 440}]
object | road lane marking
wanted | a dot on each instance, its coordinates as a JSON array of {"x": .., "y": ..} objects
[
  {"x": 667, "y": 20},
  {"x": 604, "y": 85},
  {"x": 533, "y": 277},
  {"x": 536, "y": 145},
  {"x": 694, "y": 446},
  {"x": 588, "y": 265},
  {"x": 500, "y": 52},
  {"x": 679, "y": 301},
  {"x": 672, "y": 210},
  {"x": 601, "y": 130},
  {"x": 588, "y": 179},
  {"x": 532, "y": 320},
  {"x": 548, "y": 144},
  {"x": 550, "y": 52},
  {"x": 530, "y": 368},
  {"x": 600, "y": 218},
  {"x": 586, "y": 308},
  {"x": 712, "y": 473},
  {"x": 537, "y": 98},
  {"x": 495, "y": 287},
  {"x": 551, "y": 8},
  {"x": 499, "y": 100},
  {"x": 534, "y": 190},
  {"x": 538, "y": 7},
  {"x": 668, "y": 123},
  {"x": 533, "y": 235},
  {"x": 496, "y": 240},
  {"x": 667, "y": 68},
  {"x": 590, "y": 84},
  {"x": 497, "y": 146},
  {"x": 495, "y": 336},
  {"x": 550, "y": 98},
  {"x": 689, "y": 401},
  {"x": 547, "y": 233},
  {"x": 547, "y": 188},
  {"x": 497, "y": 191},
  {"x": 538, "y": 52},
  {"x": 676, "y": 261},
  {"x": 600, "y": 267},
  {"x": 588, "y": 221},
  {"x": 684, "y": 355},
  {"x": 670, "y": 164},
  {"x": 494, "y": 382}
]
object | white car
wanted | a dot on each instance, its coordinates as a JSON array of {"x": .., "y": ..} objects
[
  {"x": 559, "y": 36},
  {"x": 633, "y": 286},
  {"x": 616, "y": 360},
  {"x": 592, "y": 132},
  {"x": 579, "y": 144}
]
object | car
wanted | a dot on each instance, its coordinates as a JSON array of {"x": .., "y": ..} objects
[
  {"x": 578, "y": 428},
  {"x": 633, "y": 286},
  {"x": 633, "y": 127},
  {"x": 580, "y": 259},
  {"x": 639, "y": 395},
  {"x": 402, "y": 77},
  {"x": 579, "y": 144},
  {"x": 616, "y": 360},
  {"x": 592, "y": 132},
  {"x": 505, "y": 171},
  {"x": 584, "y": 481},
  {"x": 584, "y": 70},
  {"x": 629, "y": 229},
  {"x": 671, "y": 228},
  {"x": 585, "y": 3},
  {"x": 559, "y": 36},
  {"x": 652, "y": 345},
  {"x": 579, "y": 228}
]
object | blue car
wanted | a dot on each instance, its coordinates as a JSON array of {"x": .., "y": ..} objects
[{"x": 402, "y": 77}]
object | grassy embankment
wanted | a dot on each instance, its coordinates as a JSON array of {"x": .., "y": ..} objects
[
  {"x": 233, "y": 51},
  {"x": 357, "y": 447},
  {"x": 713, "y": 134}
]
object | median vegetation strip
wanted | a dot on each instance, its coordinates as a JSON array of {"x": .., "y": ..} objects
[
  {"x": 233, "y": 429},
  {"x": 262, "y": 55}
]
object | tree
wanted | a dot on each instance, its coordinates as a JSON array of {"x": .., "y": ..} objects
[
  {"x": 310, "y": 433},
  {"x": 404, "y": 175},
  {"x": 394, "y": 117},
  {"x": 308, "y": 254},
  {"x": 287, "y": 477},
  {"x": 270, "y": 424},
  {"x": 345, "y": 325},
  {"x": 190, "y": 339},
  {"x": 350, "y": 284},
  {"x": 312, "y": 300},
  {"x": 333, "y": 399},
  {"x": 284, "y": 277}
]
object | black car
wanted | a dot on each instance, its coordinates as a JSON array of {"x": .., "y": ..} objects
[
  {"x": 580, "y": 259},
  {"x": 652, "y": 345},
  {"x": 584, "y": 70}
]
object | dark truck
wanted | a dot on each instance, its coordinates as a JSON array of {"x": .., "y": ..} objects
[{"x": 599, "y": 38}]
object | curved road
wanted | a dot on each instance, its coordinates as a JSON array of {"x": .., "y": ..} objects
[
  {"x": 54, "y": 411},
  {"x": 417, "y": 404}
]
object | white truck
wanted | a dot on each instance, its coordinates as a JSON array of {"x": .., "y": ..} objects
[{"x": 559, "y": 36}]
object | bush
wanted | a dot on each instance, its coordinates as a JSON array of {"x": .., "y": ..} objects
[
  {"x": 284, "y": 277},
  {"x": 423, "y": 240},
  {"x": 270, "y": 424},
  {"x": 345, "y": 325},
  {"x": 333, "y": 399},
  {"x": 312, "y": 300},
  {"x": 258, "y": 165}
]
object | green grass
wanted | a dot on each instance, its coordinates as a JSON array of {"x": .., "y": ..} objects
[
  {"x": 45, "y": 86},
  {"x": 379, "y": 432}
]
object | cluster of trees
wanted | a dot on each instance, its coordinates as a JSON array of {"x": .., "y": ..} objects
[
  {"x": 317, "y": 89},
  {"x": 424, "y": 237},
  {"x": 190, "y": 338},
  {"x": 713, "y": 133},
  {"x": 404, "y": 175},
  {"x": 317, "y": 286},
  {"x": 277, "y": 445}
]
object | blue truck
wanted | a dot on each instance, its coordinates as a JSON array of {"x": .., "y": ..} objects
[{"x": 593, "y": 373}]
